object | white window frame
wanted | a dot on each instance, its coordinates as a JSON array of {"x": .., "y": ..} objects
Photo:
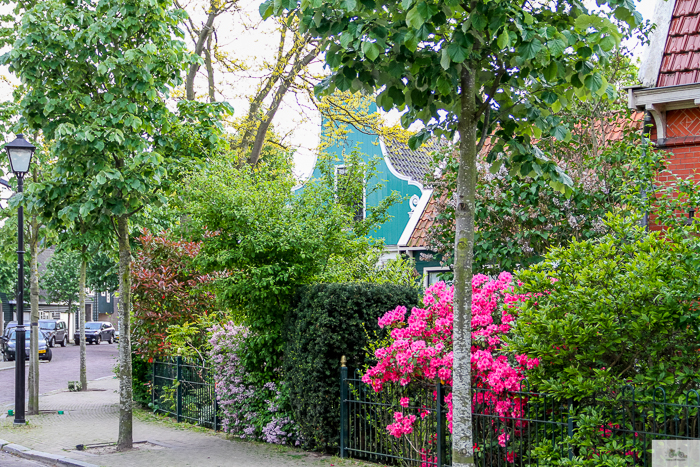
[{"x": 428, "y": 270}]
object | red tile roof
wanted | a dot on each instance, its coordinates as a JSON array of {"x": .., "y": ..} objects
[{"x": 681, "y": 62}]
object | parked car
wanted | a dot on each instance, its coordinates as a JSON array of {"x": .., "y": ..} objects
[
  {"x": 96, "y": 331},
  {"x": 116, "y": 336},
  {"x": 9, "y": 344},
  {"x": 56, "y": 330},
  {"x": 10, "y": 325}
]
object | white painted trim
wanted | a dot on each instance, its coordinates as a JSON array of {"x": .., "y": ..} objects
[
  {"x": 415, "y": 217},
  {"x": 680, "y": 97},
  {"x": 428, "y": 270},
  {"x": 394, "y": 172},
  {"x": 653, "y": 52},
  {"x": 303, "y": 181},
  {"x": 659, "y": 114}
]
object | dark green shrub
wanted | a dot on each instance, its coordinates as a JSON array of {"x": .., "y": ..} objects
[
  {"x": 329, "y": 321},
  {"x": 615, "y": 311},
  {"x": 141, "y": 377}
]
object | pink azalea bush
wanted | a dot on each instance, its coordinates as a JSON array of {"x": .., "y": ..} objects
[
  {"x": 249, "y": 411},
  {"x": 421, "y": 349}
]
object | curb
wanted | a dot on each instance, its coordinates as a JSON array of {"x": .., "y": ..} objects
[{"x": 43, "y": 457}]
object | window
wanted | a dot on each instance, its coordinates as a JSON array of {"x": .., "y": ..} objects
[
  {"x": 432, "y": 275},
  {"x": 350, "y": 189}
]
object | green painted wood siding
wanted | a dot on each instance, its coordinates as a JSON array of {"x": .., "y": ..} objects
[{"x": 370, "y": 149}]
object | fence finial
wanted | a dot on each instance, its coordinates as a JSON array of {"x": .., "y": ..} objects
[{"x": 342, "y": 361}]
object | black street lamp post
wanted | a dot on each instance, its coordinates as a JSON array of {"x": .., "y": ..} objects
[{"x": 20, "y": 153}]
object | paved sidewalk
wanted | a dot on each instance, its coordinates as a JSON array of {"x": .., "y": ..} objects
[{"x": 92, "y": 417}]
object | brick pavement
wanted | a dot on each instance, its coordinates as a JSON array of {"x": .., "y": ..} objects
[
  {"x": 63, "y": 367},
  {"x": 92, "y": 417}
]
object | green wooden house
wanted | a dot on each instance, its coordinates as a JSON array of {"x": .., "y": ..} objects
[{"x": 398, "y": 169}]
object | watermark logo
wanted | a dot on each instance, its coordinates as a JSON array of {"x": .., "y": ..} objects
[{"x": 679, "y": 452}]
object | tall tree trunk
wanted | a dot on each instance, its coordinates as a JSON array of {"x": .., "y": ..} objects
[
  {"x": 198, "y": 49},
  {"x": 125, "y": 440},
  {"x": 210, "y": 69},
  {"x": 33, "y": 377},
  {"x": 81, "y": 307},
  {"x": 276, "y": 101},
  {"x": 462, "y": 435}
]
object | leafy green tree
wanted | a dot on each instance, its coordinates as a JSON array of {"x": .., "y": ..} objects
[
  {"x": 495, "y": 70},
  {"x": 101, "y": 274},
  {"x": 95, "y": 78},
  {"x": 269, "y": 241},
  {"x": 613, "y": 311},
  {"x": 61, "y": 279}
]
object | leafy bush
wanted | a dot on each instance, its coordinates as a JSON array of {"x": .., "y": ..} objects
[
  {"x": 251, "y": 409},
  {"x": 168, "y": 291},
  {"x": 141, "y": 379},
  {"x": 619, "y": 310},
  {"x": 329, "y": 321}
]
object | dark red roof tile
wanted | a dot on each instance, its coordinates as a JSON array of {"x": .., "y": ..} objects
[
  {"x": 667, "y": 63},
  {"x": 680, "y": 65},
  {"x": 694, "y": 61},
  {"x": 666, "y": 79},
  {"x": 675, "y": 27},
  {"x": 681, "y": 62},
  {"x": 690, "y": 24},
  {"x": 677, "y": 44},
  {"x": 684, "y": 7},
  {"x": 693, "y": 42}
]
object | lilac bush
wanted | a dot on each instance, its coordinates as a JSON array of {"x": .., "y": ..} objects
[{"x": 248, "y": 410}]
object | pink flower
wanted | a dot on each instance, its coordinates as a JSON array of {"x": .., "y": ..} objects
[{"x": 420, "y": 349}]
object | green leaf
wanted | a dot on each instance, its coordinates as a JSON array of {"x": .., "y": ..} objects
[
  {"x": 556, "y": 106},
  {"x": 556, "y": 47},
  {"x": 445, "y": 59},
  {"x": 418, "y": 15},
  {"x": 457, "y": 53},
  {"x": 348, "y": 5},
  {"x": 594, "y": 81},
  {"x": 560, "y": 133},
  {"x": 371, "y": 50},
  {"x": 529, "y": 50},
  {"x": 345, "y": 39},
  {"x": 608, "y": 43},
  {"x": 503, "y": 40}
]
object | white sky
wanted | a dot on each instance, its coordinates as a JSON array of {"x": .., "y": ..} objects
[{"x": 296, "y": 118}]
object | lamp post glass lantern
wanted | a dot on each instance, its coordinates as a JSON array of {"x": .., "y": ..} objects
[{"x": 20, "y": 152}]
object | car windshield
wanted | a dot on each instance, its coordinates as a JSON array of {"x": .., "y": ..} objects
[
  {"x": 50, "y": 325},
  {"x": 92, "y": 325},
  {"x": 13, "y": 333}
]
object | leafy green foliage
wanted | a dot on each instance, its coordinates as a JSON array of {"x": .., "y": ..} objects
[
  {"x": 524, "y": 58},
  {"x": 168, "y": 291},
  {"x": 518, "y": 219},
  {"x": 61, "y": 279},
  {"x": 95, "y": 78},
  {"x": 621, "y": 309},
  {"x": 269, "y": 241},
  {"x": 327, "y": 322},
  {"x": 141, "y": 374},
  {"x": 101, "y": 273}
]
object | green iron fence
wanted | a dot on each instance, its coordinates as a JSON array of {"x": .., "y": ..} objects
[
  {"x": 185, "y": 390},
  {"x": 534, "y": 427}
]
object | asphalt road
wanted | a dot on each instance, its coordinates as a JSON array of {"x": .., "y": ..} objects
[{"x": 63, "y": 367}]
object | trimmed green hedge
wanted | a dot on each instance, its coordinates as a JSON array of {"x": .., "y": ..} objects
[{"x": 329, "y": 321}]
